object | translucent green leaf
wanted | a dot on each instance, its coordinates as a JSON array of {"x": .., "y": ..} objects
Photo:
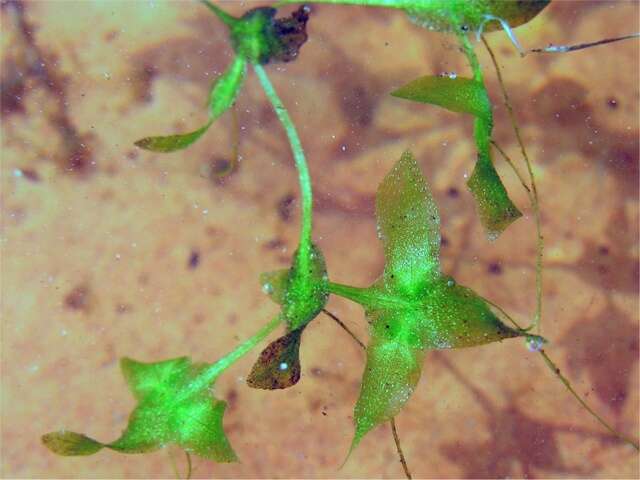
[
  {"x": 390, "y": 376},
  {"x": 463, "y": 95},
  {"x": 222, "y": 95},
  {"x": 175, "y": 405},
  {"x": 70, "y": 443},
  {"x": 409, "y": 227},
  {"x": 307, "y": 291},
  {"x": 204, "y": 434},
  {"x": 452, "y": 15},
  {"x": 278, "y": 366},
  {"x": 150, "y": 379},
  {"x": 274, "y": 284},
  {"x": 495, "y": 208},
  {"x": 454, "y": 316},
  {"x": 224, "y": 90},
  {"x": 303, "y": 291},
  {"x": 171, "y": 143},
  {"x": 412, "y": 307}
]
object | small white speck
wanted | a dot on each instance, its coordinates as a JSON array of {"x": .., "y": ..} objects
[
  {"x": 343, "y": 148},
  {"x": 283, "y": 366},
  {"x": 17, "y": 173}
]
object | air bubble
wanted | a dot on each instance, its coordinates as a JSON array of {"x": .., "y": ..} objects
[{"x": 535, "y": 343}]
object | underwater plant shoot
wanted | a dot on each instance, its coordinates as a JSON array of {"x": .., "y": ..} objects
[{"x": 331, "y": 239}]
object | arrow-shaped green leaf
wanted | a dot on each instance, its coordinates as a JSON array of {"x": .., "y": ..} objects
[{"x": 412, "y": 307}]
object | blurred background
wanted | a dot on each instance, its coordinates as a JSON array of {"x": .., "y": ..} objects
[{"x": 110, "y": 251}]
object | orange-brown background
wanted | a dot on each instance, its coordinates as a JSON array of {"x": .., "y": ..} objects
[{"x": 97, "y": 237}]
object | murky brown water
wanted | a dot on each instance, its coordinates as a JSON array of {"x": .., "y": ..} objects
[{"x": 109, "y": 251}]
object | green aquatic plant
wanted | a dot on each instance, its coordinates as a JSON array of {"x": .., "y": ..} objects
[
  {"x": 411, "y": 309},
  {"x": 175, "y": 405}
]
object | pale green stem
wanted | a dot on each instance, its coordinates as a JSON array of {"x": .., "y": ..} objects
[
  {"x": 306, "y": 193},
  {"x": 533, "y": 197},
  {"x": 554, "y": 368},
  {"x": 369, "y": 298},
  {"x": 208, "y": 375}
]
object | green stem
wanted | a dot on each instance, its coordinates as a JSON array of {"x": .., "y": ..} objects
[
  {"x": 396, "y": 439},
  {"x": 304, "y": 248},
  {"x": 471, "y": 57},
  {"x": 369, "y": 298},
  {"x": 208, "y": 375}
]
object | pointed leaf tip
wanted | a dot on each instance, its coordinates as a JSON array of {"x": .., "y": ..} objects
[
  {"x": 68, "y": 444},
  {"x": 458, "y": 94},
  {"x": 495, "y": 208},
  {"x": 391, "y": 374}
]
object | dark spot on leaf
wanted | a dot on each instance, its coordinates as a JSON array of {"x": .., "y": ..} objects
[
  {"x": 494, "y": 268},
  {"x": 123, "y": 308},
  {"x": 444, "y": 241},
  {"x": 275, "y": 244},
  {"x": 232, "y": 398},
  {"x": 358, "y": 105},
  {"x": 110, "y": 36},
  {"x": 603, "y": 250},
  {"x": 194, "y": 260},
  {"x": 285, "y": 206},
  {"x": 453, "y": 192},
  {"x": 79, "y": 298},
  {"x": 30, "y": 174},
  {"x": 12, "y": 89}
]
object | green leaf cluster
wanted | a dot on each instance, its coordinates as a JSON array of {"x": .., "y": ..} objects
[
  {"x": 412, "y": 307},
  {"x": 175, "y": 406}
]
